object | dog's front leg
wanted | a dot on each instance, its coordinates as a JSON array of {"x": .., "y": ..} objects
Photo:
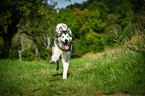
[
  {"x": 56, "y": 54},
  {"x": 65, "y": 69},
  {"x": 65, "y": 62}
]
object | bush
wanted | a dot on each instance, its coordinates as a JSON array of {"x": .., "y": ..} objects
[
  {"x": 137, "y": 43},
  {"x": 28, "y": 55},
  {"x": 91, "y": 43}
]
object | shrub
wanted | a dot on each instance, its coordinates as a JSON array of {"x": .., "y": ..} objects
[
  {"x": 137, "y": 41},
  {"x": 28, "y": 55}
]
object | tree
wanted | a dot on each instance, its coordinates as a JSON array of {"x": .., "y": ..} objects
[
  {"x": 22, "y": 48},
  {"x": 122, "y": 11},
  {"x": 46, "y": 41},
  {"x": 70, "y": 19},
  {"x": 34, "y": 29},
  {"x": 90, "y": 19},
  {"x": 12, "y": 12}
]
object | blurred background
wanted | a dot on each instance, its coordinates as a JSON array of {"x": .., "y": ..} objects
[{"x": 27, "y": 27}]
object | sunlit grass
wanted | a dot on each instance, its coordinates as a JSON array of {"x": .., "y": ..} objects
[{"x": 113, "y": 71}]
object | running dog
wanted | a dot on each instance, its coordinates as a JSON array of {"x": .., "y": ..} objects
[{"x": 62, "y": 47}]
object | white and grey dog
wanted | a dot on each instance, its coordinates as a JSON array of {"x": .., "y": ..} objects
[{"x": 62, "y": 47}]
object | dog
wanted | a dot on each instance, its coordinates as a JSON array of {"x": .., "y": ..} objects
[{"x": 62, "y": 47}]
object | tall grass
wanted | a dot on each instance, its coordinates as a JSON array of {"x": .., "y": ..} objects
[{"x": 110, "y": 72}]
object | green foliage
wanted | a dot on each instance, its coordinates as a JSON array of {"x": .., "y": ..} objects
[
  {"x": 94, "y": 21},
  {"x": 129, "y": 30},
  {"x": 112, "y": 19},
  {"x": 95, "y": 24},
  {"x": 28, "y": 55},
  {"x": 122, "y": 11},
  {"x": 117, "y": 71},
  {"x": 109, "y": 40},
  {"x": 13, "y": 54},
  {"x": 101, "y": 7},
  {"x": 137, "y": 42},
  {"x": 68, "y": 17},
  {"x": 94, "y": 41},
  {"x": 91, "y": 43},
  {"x": 18, "y": 13},
  {"x": 85, "y": 24}
]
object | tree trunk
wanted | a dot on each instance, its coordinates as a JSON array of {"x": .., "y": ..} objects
[
  {"x": 47, "y": 44},
  {"x": 20, "y": 55},
  {"x": 48, "y": 55},
  {"x": 37, "y": 55},
  {"x": 47, "y": 47},
  {"x": 22, "y": 49},
  {"x": 6, "y": 48},
  {"x": 11, "y": 31}
]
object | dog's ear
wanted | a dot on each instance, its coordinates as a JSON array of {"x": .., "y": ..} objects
[
  {"x": 69, "y": 31},
  {"x": 59, "y": 31}
]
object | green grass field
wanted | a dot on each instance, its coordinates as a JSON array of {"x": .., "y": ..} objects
[{"x": 115, "y": 71}]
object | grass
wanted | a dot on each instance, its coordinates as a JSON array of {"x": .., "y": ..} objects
[{"x": 110, "y": 72}]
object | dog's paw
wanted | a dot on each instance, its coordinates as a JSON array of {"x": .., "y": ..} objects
[
  {"x": 64, "y": 78},
  {"x": 51, "y": 61}
]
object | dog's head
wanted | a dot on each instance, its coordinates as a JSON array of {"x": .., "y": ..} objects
[{"x": 65, "y": 37}]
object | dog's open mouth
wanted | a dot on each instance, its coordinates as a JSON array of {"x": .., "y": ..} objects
[{"x": 66, "y": 45}]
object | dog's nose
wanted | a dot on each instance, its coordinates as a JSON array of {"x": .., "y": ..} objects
[{"x": 66, "y": 40}]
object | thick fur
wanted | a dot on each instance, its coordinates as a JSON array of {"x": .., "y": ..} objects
[{"x": 62, "y": 47}]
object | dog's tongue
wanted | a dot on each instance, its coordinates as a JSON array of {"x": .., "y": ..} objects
[{"x": 66, "y": 47}]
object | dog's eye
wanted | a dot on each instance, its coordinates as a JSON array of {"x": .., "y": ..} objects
[{"x": 62, "y": 36}]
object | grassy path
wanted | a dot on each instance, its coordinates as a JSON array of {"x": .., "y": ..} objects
[{"x": 110, "y": 72}]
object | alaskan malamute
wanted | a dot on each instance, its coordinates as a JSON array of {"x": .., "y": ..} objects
[{"x": 62, "y": 47}]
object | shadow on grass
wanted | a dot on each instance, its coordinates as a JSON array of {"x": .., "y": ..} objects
[{"x": 58, "y": 76}]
